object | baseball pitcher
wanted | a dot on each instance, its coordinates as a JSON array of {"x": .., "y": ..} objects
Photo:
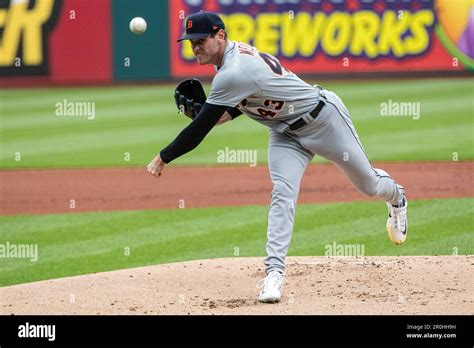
[{"x": 303, "y": 121}]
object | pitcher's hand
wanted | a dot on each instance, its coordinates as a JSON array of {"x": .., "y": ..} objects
[
  {"x": 156, "y": 166},
  {"x": 224, "y": 118}
]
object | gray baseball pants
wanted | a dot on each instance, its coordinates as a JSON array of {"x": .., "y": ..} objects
[{"x": 331, "y": 135}]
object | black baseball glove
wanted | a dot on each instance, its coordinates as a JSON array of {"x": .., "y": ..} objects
[{"x": 190, "y": 97}]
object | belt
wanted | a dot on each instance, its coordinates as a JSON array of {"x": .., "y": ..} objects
[{"x": 303, "y": 121}]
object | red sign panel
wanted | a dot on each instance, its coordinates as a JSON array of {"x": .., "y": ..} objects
[{"x": 55, "y": 41}]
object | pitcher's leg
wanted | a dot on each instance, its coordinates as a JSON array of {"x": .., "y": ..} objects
[
  {"x": 287, "y": 162},
  {"x": 336, "y": 139}
]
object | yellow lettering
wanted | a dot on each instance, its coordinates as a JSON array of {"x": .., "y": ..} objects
[
  {"x": 301, "y": 34},
  {"x": 358, "y": 33},
  {"x": 25, "y": 22},
  {"x": 187, "y": 51},
  {"x": 240, "y": 27},
  {"x": 3, "y": 17},
  {"x": 420, "y": 39},
  {"x": 366, "y": 28},
  {"x": 266, "y": 38},
  {"x": 390, "y": 38},
  {"x": 337, "y": 33}
]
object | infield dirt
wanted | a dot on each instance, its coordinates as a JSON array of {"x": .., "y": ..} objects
[
  {"x": 51, "y": 190},
  {"x": 314, "y": 285}
]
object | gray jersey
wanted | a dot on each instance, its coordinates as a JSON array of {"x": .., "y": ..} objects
[{"x": 261, "y": 88}]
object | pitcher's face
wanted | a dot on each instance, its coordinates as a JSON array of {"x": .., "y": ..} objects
[{"x": 209, "y": 50}]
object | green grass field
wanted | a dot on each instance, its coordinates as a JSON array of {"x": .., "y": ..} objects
[
  {"x": 140, "y": 120},
  {"x": 71, "y": 244}
]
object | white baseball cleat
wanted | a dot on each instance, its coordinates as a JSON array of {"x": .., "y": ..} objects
[
  {"x": 272, "y": 287},
  {"x": 397, "y": 223}
]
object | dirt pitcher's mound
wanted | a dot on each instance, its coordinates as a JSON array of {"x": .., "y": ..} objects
[{"x": 314, "y": 285}]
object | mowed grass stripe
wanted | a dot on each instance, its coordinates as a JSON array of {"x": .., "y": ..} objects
[
  {"x": 430, "y": 109},
  {"x": 80, "y": 243},
  {"x": 140, "y": 140},
  {"x": 121, "y": 136},
  {"x": 427, "y": 220},
  {"x": 140, "y": 118},
  {"x": 396, "y": 87},
  {"x": 432, "y": 144},
  {"x": 101, "y": 106},
  {"x": 111, "y": 117},
  {"x": 43, "y": 97},
  {"x": 67, "y": 142}
]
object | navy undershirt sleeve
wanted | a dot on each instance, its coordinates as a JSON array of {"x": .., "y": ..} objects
[
  {"x": 191, "y": 136},
  {"x": 234, "y": 112}
]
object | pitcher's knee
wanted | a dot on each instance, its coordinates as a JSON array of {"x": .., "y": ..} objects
[
  {"x": 282, "y": 189},
  {"x": 368, "y": 188}
]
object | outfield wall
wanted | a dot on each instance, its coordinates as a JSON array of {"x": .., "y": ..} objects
[{"x": 82, "y": 42}]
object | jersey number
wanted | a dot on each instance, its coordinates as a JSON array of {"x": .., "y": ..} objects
[
  {"x": 276, "y": 105},
  {"x": 272, "y": 62},
  {"x": 269, "y": 113}
]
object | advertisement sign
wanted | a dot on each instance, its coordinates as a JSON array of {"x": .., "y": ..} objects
[
  {"x": 339, "y": 36},
  {"x": 82, "y": 41},
  {"x": 55, "y": 41},
  {"x": 25, "y": 33}
]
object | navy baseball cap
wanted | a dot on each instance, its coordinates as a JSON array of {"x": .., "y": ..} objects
[{"x": 201, "y": 24}]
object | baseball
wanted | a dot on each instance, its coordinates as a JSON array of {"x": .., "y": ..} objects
[{"x": 138, "y": 25}]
